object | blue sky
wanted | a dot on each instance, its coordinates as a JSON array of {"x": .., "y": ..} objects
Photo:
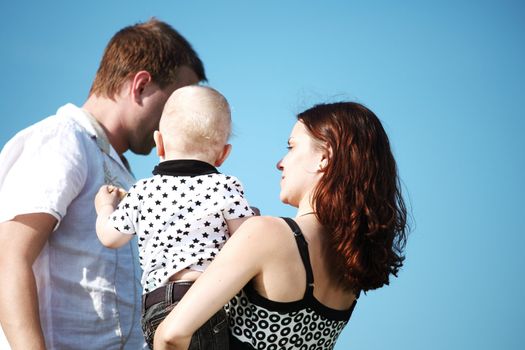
[{"x": 445, "y": 77}]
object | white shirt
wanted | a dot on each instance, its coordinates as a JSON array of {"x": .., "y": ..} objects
[
  {"x": 89, "y": 295},
  {"x": 180, "y": 217}
]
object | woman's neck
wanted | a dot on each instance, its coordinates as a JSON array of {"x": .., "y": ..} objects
[{"x": 305, "y": 206}]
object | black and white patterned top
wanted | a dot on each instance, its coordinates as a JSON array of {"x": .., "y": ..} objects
[
  {"x": 179, "y": 216},
  {"x": 260, "y": 323}
]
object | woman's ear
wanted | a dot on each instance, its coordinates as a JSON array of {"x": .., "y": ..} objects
[
  {"x": 323, "y": 163},
  {"x": 223, "y": 155},
  {"x": 161, "y": 152}
]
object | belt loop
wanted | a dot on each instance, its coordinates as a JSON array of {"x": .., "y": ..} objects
[{"x": 168, "y": 293}]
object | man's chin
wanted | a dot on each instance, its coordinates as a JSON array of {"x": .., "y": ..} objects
[{"x": 143, "y": 151}]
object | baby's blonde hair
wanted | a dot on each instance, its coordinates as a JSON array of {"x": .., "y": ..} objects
[{"x": 197, "y": 120}]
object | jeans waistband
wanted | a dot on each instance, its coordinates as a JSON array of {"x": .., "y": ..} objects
[{"x": 173, "y": 291}]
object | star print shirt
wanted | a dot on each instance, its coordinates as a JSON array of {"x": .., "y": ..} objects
[{"x": 179, "y": 216}]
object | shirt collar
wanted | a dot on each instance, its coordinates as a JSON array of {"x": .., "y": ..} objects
[
  {"x": 92, "y": 126},
  {"x": 184, "y": 167}
]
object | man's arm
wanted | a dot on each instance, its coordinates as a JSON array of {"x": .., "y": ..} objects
[{"x": 22, "y": 240}]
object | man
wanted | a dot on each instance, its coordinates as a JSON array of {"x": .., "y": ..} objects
[{"x": 60, "y": 288}]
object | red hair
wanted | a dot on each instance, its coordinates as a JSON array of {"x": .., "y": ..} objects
[{"x": 358, "y": 199}]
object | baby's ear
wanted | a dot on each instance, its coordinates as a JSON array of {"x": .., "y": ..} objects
[
  {"x": 157, "y": 136},
  {"x": 223, "y": 155}
]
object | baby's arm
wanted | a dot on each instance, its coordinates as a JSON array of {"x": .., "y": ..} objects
[{"x": 106, "y": 201}]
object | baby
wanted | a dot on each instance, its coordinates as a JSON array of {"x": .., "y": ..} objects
[{"x": 185, "y": 212}]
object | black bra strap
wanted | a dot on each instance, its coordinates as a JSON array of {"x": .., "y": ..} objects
[{"x": 303, "y": 250}]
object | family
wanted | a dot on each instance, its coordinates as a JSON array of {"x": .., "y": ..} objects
[{"x": 93, "y": 258}]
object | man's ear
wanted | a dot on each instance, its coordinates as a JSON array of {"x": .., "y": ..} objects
[
  {"x": 139, "y": 83},
  {"x": 223, "y": 155},
  {"x": 161, "y": 152}
]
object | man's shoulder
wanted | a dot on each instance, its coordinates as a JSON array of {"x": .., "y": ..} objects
[{"x": 65, "y": 121}]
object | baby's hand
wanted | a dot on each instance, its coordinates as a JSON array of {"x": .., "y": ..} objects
[{"x": 108, "y": 196}]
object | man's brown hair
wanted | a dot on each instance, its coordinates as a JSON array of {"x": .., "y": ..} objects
[{"x": 153, "y": 46}]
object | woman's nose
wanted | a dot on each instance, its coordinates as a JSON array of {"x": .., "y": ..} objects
[{"x": 279, "y": 165}]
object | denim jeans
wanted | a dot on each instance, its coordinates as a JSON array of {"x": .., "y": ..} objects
[{"x": 213, "y": 335}]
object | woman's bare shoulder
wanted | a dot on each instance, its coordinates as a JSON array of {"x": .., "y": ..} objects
[
  {"x": 266, "y": 224},
  {"x": 266, "y": 230}
]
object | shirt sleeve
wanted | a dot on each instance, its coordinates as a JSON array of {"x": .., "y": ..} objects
[
  {"x": 125, "y": 218},
  {"x": 236, "y": 206},
  {"x": 43, "y": 169}
]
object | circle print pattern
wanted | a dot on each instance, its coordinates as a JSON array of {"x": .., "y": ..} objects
[{"x": 267, "y": 329}]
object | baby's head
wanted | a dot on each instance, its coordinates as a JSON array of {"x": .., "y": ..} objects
[{"x": 195, "y": 124}]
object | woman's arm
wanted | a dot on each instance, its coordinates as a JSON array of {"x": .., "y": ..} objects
[{"x": 241, "y": 259}]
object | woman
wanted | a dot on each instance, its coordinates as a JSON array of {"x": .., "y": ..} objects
[{"x": 300, "y": 279}]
